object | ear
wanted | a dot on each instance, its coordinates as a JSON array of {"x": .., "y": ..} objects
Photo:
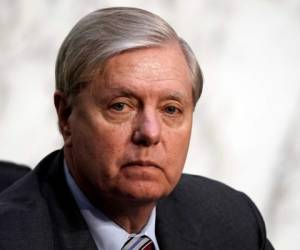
[{"x": 63, "y": 110}]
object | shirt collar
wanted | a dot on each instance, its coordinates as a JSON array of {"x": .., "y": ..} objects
[{"x": 106, "y": 234}]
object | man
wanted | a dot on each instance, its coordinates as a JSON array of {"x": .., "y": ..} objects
[{"x": 126, "y": 88}]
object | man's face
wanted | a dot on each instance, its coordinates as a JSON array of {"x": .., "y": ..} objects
[{"x": 129, "y": 129}]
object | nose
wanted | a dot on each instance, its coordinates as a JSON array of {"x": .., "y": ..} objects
[{"x": 147, "y": 130}]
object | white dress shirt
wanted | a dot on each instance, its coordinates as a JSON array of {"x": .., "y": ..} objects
[{"x": 106, "y": 234}]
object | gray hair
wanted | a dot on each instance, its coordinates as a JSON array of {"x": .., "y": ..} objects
[{"x": 108, "y": 32}]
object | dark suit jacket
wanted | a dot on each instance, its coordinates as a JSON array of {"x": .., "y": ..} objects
[
  {"x": 10, "y": 172},
  {"x": 39, "y": 212}
]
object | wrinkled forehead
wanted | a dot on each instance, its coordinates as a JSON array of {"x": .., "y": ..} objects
[{"x": 157, "y": 65}]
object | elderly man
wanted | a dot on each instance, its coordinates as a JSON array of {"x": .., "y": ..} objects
[{"x": 126, "y": 88}]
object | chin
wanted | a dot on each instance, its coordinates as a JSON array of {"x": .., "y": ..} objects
[{"x": 146, "y": 193}]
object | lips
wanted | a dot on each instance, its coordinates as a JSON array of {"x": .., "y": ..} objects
[{"x": 141, "y": 163}]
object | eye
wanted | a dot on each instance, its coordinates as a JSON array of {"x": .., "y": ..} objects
[
  {"x": 171, "y": 110},
  {"x": 119, "y": 106}
]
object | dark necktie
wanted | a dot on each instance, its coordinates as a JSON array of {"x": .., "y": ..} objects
[{"x": 138, "y": 243}]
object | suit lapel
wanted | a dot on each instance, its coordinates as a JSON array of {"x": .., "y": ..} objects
[
  {"x": 171, "y": 236},
  {"x": 174, "y": 228},
  {"x": 69, "y": 227}
]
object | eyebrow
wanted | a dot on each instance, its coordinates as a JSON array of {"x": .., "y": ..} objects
[
  {"x": 123, "y": 91},
  {"x": 177, "y": 96}
]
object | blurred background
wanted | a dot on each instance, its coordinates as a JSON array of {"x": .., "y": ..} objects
[{"x": 247, "y": 124}]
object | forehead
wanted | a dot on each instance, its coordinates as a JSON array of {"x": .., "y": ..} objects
[
  {"x": 150, "y": 62},
  {"x": 158, "y": 68}
]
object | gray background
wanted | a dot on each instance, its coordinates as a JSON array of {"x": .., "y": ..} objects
[{"x": 247, "y": 124}]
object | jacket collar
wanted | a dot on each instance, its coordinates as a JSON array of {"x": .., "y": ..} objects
[
  {"x": 174, "y": 228},
  {"x": 69, "y": 227}
]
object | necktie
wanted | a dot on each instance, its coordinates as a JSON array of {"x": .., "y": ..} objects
[{"x": 138, "y": 243}]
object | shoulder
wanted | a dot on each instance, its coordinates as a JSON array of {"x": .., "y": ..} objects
[
  {"x": 207, "y": 208},
  {"x": 199, "y": 193},
  {"x": 215, "y": 198},
  {"x": 24, "y": 213},
  {"x": 28, "y": 188},
  {"x": 208, "y": 191}
]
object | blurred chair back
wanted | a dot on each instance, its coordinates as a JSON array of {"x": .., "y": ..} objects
[{"x": 10, "y": 173}]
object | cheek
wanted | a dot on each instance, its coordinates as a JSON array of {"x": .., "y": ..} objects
[
  {"x": 97, "y": 135},
  {"x": 98, "y": 145},
  {"x": 97, "y": 159},
  {"x": 177, "y": 151}
]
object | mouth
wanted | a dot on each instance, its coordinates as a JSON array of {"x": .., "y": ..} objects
[{"x": 141, "y": 163}]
